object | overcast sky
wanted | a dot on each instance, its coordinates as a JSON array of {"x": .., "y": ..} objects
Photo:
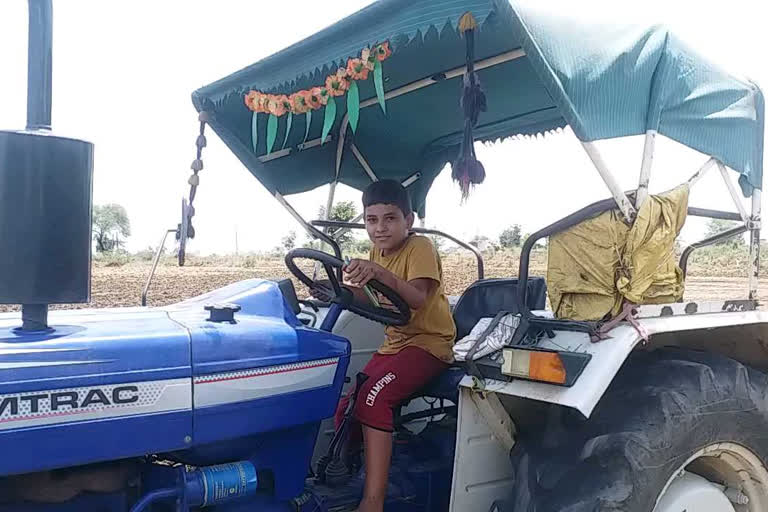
[{"x": 124, "y": 72}]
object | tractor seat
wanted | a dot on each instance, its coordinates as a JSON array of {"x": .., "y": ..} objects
[
  {"x": 484, "y": 298},
  {"x": 445, "y": 385}
]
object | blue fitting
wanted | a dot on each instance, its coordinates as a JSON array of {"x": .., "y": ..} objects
[
  {"x": 151, "y": 497},
  {"x": 216, "y": 484}
]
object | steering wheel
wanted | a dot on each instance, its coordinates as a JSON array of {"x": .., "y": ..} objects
[{"x": 400, "y": 314}]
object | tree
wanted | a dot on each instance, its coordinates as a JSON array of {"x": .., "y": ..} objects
[
  {"x": 716, "y": 226},
  {"x": 343, "y": 211},
  {"x": 289, "y": 241},
  {"x": 511, "y": 237},
  {"x": 540, "y": 244},
  {"x": 110, "y": 222},
  {"x": 363, "y": 246}
]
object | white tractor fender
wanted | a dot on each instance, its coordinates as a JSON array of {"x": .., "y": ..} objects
[{"x": 608, "y": 355}]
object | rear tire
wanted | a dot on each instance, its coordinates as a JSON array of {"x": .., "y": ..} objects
[{"x": 664, "y": 412}]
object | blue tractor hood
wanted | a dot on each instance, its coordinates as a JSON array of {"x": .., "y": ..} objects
[{"x": 108, "y": 384}]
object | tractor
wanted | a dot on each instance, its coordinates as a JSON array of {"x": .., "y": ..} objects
[{"x": 609, "y": 391}]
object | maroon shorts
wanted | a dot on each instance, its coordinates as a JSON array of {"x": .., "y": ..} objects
[{"x": 392, "y": 378}]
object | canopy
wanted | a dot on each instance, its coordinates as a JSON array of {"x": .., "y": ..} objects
[{"x": 602, "y": 81}]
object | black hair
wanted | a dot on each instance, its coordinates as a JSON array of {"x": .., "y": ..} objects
[{"x": 388, "y": 192}]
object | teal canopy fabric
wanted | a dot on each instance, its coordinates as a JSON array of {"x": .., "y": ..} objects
[
  {"x": 602, "y": 81},
  {"x": 618, "y": 80}
]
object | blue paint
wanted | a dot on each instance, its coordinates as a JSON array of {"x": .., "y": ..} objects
[
  {"x": 87, "y": 347},
  {"x": 98, "y": 348},
  {"x": 59, "y": 446},
  {"x": 331, "y": 317}
]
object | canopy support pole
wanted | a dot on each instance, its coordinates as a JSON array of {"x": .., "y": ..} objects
[
  {"x": 446, "y": 75},
  {"x": 287, "y": 151},
  {"x": 701, "y": 172},
  {"x": 734, "y": 193},
  {"x": 645, "y": 168},
  {"x": 329, "y": 203},
  {"x": 754, "y": 243},
  {"x": 619, "y": 196},
  {"x": 309, "y": 228},
  {"x": 363, "y": 162}
]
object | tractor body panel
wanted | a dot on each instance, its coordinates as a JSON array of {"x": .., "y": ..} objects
[
  {"x": 99, "y": 386},
  {"x": 107, "y": 385}
]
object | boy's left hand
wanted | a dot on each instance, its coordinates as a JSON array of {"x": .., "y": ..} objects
[{"x": 359, "y": 272}]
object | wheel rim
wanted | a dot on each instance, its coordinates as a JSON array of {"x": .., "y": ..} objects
[{"x": 726, "y": 476}]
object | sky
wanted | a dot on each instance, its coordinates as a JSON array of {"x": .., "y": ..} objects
[{"x": 123, "y": 73}]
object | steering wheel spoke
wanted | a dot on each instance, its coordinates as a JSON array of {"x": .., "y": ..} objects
[{"x": 394, "y": 311}]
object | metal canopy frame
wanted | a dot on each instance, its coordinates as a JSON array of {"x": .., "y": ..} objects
[
  {"x": 327, "y": 237},
  {"x": 751, "y": 221},
  {"x": 347, "y": 226}
]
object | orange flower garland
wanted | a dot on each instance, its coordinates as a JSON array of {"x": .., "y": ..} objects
[
  {"x": 357, "y": 70},
  {"x": 315, "y": 98},
  {"x": 337, "y": 84}
]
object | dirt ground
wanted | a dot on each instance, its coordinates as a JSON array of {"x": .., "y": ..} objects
[{"x": 119, "y": 286}]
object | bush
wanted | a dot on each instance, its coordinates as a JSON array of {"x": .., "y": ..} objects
[{"x": 113, "y": 258}]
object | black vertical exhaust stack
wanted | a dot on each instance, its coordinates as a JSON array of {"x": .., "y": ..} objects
[{"x": 45, "y": 197}]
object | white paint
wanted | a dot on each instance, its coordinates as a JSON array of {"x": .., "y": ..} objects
[
  {"x": 496, "y": 417},
  {"x": 607, "y": 357},
  {"x": 754, "y": 243},
  {"x": 701, "y": 172},
  {"x": 645, "y": 168},
  {"x": 679, "y": 308},
  {"x": 610, "y": 181},
  {"x": 241, "y": 386},
  {"x": 692, "y": 492},
  {"x": 482, "y": 471},
  {"x": 154, "y": 397},
  {"x": 735, "y": 194}
]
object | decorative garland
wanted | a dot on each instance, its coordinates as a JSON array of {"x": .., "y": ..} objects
[
  {"x": 467, "y": 170},
  {"x": 344, "y": 81}
]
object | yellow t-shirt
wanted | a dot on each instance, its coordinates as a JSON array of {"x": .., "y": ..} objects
[{"x": 431, "y": 327}]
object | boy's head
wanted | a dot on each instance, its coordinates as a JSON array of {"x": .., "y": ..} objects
[{"x": 388, "y": 214}]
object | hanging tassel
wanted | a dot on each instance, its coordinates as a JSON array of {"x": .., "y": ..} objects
[{"x": 467, "y": 170}]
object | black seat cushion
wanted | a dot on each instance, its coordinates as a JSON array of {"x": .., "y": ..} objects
[
  {"x": 485, "y": 298},
  {"x": 445, "y": 385}
]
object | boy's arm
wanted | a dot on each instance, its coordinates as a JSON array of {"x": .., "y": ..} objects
[{"x": 414, "y": 292}]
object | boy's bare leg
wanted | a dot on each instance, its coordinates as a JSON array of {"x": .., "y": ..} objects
[{"x": 378, "y": 455}]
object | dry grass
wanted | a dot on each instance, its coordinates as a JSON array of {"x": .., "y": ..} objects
[{"x": 118, "y": 281}]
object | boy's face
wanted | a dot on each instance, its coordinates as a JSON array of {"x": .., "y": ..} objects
[{"x": 387, "y": 226}]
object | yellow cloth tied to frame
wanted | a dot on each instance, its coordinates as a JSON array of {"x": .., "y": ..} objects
[{"x": 598, "y": 263}]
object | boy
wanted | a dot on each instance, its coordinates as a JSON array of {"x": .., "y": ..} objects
[{"x": 411, "y": 355}]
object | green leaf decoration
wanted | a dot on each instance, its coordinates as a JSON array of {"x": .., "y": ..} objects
[
  {"x": 309, "y": 123},
  {"x": 271, "y": 132},
  {"x": 288, "y": 128},
  {"x": 378, "y": 81},
  {"x": 255, "y": 130},
  {"x": 353, "y": 105},
  {"x": 330, "y": 117}
]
